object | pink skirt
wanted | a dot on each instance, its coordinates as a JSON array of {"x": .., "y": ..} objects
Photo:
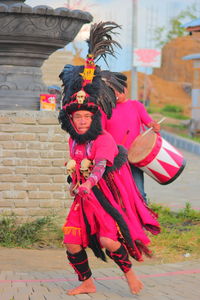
[{"x": 101, "y": 223}]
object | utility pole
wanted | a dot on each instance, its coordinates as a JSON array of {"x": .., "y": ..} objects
[{"x": 134, "y": 92}]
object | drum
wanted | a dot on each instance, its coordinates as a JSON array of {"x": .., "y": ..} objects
[{"x": 156, "y": 157}]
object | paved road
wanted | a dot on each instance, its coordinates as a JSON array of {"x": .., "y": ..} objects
[
  {"x": 178, "y": 281},
  {"x": 186, "y": 188}
]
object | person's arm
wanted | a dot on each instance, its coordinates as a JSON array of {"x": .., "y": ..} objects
[{"x": 146, "y": 118}]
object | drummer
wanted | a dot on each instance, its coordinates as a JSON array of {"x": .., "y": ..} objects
[{"x": 129, "y": 118}]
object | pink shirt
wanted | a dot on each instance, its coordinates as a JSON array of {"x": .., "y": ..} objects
[
  {"x": 103, "y": 148},
  {"x": 127, "y": 121}
]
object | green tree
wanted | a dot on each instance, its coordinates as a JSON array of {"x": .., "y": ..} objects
[{"x": 163, "y": 35}]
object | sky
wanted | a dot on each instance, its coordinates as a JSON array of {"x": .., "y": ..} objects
[{"x": 149, "y": 15}]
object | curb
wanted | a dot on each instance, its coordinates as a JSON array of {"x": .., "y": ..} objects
[{"x": 181, "y": 142}]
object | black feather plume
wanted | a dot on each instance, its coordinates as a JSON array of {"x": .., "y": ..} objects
[
  {"x": 115, "y": 80},
  {"x": 72, "y": 81},
  {"x": 100, "y": 42},
  {"x": 106, "y": 99}
]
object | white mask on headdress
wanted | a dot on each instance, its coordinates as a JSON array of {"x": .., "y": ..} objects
[{"x": 80, "y": 97}]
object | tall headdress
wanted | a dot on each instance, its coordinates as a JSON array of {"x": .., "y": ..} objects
[{"x": 87, "y": 87}]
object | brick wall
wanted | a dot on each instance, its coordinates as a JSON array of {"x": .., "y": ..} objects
[{"x": 33, "y": 149}]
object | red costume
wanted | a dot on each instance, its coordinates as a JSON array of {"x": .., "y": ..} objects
[
  {"x": 112, "y": 207},
  {"x": 118, "y": 188}
]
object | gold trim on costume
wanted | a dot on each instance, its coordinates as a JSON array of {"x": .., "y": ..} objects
[{"x": 72, "y": 230}]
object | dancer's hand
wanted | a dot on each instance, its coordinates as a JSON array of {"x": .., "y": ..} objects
[
  {"x": 72, "y": 189},
  {"x": 155, "y": 126},
  {"x": 84, "y": 188}
]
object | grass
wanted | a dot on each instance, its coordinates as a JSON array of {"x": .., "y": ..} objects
[
  {"x": 193, "y": 138},
  {"x": 182, "y": 130},
  {"x": 180, "y": 127},
  {"x": 180, "y": 234},
  {"x": 174, "y": 115},
  {"x": 175, "y": 112},
  {"x": 172, "y": 111},
  {"x": 153, "y": 109},
  {"x": 41, "y": 233}
]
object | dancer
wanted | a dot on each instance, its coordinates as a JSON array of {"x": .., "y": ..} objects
[{"x": 107, "y": 211}]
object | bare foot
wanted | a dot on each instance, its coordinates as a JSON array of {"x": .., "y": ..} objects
[
  {"x": 134, "y": 283},
  {"x": 86, "y": 287}
]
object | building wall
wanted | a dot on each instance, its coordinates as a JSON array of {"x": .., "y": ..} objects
[
  {"x": 54, "y": 65},
  {"x": 33, "y": 150}
]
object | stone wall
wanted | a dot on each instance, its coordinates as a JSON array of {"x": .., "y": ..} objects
[
  {"x": 53, "y": 66},
  {"x": 33, "y": 150}
]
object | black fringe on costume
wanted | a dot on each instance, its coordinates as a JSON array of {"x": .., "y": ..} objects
[
  {"x": 143, "y": 249},
  {"x": 135, "y": 248},
  {"x": 113, "y": 212},
  {"x": 153, "y": 229},
  {"x": 94, "y": 245},
  {"x": 119, "y": 160},
  {"x": 93, "y": 241},
  {"x": 92, "y": 133}
]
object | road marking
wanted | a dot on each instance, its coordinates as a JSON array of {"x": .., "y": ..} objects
[{"x": 184, "y": 272}]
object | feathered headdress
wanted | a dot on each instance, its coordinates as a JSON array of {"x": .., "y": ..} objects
[
  {"x": 95, "y": 82},
  {"x": 87, "y": 86}
]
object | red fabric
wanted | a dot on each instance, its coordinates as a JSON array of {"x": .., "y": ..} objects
[
  {"x": 100, "y": 222},
  {"x": 129, "y": 204},
  {"x": 104, "y": 147}
]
